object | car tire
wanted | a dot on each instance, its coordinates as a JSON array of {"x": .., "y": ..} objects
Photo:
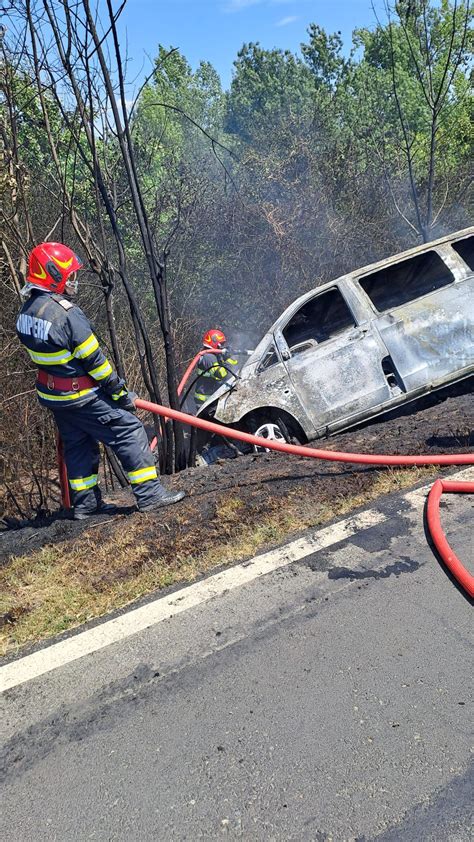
[{"x": 273, "y": 430}]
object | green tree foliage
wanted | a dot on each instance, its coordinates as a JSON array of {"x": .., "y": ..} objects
[
  {"x": 177, "y": 112},
  {"x": 178, "y": 131},
  {"x": 268, "y": 88},
  {"x": 324, "y": 56},
  {"x": 409, "y": 100}
]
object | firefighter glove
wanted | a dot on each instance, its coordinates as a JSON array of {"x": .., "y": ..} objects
[{"x": 127, "y": 401}]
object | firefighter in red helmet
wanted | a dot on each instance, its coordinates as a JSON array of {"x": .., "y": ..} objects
[
  {"x": 75, "y": 380},
  {"x": 214, "y": 339},
  {"x": 214, "y": 369}
]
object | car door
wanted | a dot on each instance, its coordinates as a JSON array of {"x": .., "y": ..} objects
[{"x": 334, "y": 364}]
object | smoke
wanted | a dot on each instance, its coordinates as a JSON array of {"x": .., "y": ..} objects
[{"x": 242, "y": 341}]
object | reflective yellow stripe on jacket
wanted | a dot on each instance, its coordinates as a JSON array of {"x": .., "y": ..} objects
[
  {"x": 219, "y": 372},
  {"x": 47, "y": 396},
  {"x": 101, "y": 371},
  {"x": 86, "y": 348},
  {"x": 56, "y": 358},
  {"x": 215, "y": 371}
]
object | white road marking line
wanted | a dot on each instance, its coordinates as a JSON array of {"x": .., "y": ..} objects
[
  {"x": 190, "y": 596},
  {"x": 417, "y": 497}
]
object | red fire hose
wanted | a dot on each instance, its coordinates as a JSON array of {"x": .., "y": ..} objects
[
  {"x": 63, "y": 480},
  {"x": 465, "y": 579},
  {"x": 299, "y": 450},
  {"x": 191, "y": 365}
]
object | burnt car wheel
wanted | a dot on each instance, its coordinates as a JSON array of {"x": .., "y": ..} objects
[
  {"x": 272, "y": 430},
  {"x": 269, "y": 431}
]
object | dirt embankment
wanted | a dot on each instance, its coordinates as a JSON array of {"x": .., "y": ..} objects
[{"x": 60, "y": 573}]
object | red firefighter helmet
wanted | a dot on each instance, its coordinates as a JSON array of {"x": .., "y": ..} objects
[
  {"x": 214, "y": 339},
  {"x": 50, "y": 266}
]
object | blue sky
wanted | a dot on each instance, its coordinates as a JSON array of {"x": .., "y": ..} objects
[{"x": 215, "y": 30}]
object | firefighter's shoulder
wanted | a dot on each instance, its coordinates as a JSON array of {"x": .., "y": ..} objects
[{"x": 65, "y": 303}]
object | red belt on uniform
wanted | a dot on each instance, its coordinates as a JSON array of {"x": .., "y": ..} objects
[{"x": 65, "y": 384}]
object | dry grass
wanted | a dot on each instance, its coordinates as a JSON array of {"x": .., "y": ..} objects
[{"x": 63, "y": 585}]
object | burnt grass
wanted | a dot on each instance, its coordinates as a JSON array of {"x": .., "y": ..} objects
[{"x": 228, "y": 500}]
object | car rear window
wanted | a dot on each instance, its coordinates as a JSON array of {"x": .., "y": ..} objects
[
  {"x": 465, "y": 249},
  {"x": 319, "y": 319},
  {"x": 406, "y": 281}
]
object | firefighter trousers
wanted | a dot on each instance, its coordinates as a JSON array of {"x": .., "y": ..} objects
[{"x": 82, "y": 427}]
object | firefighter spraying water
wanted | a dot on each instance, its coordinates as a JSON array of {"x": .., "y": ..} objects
[
  {"x": 213, "y": 369},
  {"x": 216, "y": 365}
]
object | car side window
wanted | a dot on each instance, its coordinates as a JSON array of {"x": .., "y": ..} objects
[
  {"x": 465, "y": 249},
  {"x": 269, "y": 358},
  {"x": 321, "y": 318},
  {"x": 395, "y": 285}
]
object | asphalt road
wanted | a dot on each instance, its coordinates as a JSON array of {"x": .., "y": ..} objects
[{"x": 328, "y": 700}]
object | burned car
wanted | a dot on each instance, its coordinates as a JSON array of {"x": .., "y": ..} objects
[{"x": 358, "y": 346}]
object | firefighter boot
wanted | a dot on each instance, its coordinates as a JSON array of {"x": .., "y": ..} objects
[
  {"x": 101, "y": 508},
  {"x": 163, "y": 498}
]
